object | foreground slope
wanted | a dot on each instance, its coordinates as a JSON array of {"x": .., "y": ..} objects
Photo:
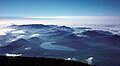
[{"x": 22, "y": 61}]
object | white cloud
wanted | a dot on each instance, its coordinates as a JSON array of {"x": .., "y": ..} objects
[
  {"x": 68, "y": 59},
  {"x": 77, "y": 17},
  {"x": 19, "y": 31},
  {"x": 19, "y": 37},
  {"x": 49, "y": 17},
  {"x": 74, "y": 59},
  {"x": 5, "y": 30},
  {"x": 13, "y": 55},
  {"x": 64, "y": 20},
  {"x": 0, "y": 45},
  {"x": 34, "y": 35},
  {"x": 90, "y": 60}
]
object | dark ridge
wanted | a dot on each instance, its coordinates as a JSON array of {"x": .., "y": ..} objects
[
  {"x": 38, "y": 26},
  {"x": 74, "y": 37},
  {"x": 58, "y": 33},
  {"x": 83, "y": 28},
  {"x": 104, "y": 32},
  {"x": 95, "y": 33},
  {"x": 32, "y": 61},
  {"x": 113, "y": 40},
  {"x": 72, "y": 41},
  {"x": 35, "y": 26},
  {"x": 35, "y": 40},
  {"x": 65, "y": 27},
  {"x": 114, "y": 37},
  {"x": 19, "y": 42},
  {"x": 14, "y": 45}
]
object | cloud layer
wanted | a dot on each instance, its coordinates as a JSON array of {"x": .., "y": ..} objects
[{"x": 62, "y": 20}]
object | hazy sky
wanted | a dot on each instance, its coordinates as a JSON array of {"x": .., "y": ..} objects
[{"x": 48, "y": 10}]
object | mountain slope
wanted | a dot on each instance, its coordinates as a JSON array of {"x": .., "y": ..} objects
[{"x": 24, "y": 61}]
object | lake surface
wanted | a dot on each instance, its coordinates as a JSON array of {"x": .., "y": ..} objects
[{"x": 50, "y": 46}]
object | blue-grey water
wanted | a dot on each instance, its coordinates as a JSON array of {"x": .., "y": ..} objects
[{"x": 50, "y": 46}]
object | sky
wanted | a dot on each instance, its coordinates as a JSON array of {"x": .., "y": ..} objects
[{"x": 60, "y": 11}]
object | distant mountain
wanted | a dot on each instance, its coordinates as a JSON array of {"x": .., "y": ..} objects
[
  {"x": 20, "y": 42},
  {"x": 41, "y": 26},
  {"x": 58, "y": 33},
  {"x": 65, "y": 28},
  {"x": 113, "y": 40},
  {"x": 37, "y": 26},
  {"x": 15, "y": 45},
  {"x": 114, "y": 37},
  {"x": 95, "y": 33},
  {"x": 82, "y": 28},
  {"x": 110, "y": 40},
  {"x": 72, "y": 41},
  {"x": 35, "y": 40}
]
